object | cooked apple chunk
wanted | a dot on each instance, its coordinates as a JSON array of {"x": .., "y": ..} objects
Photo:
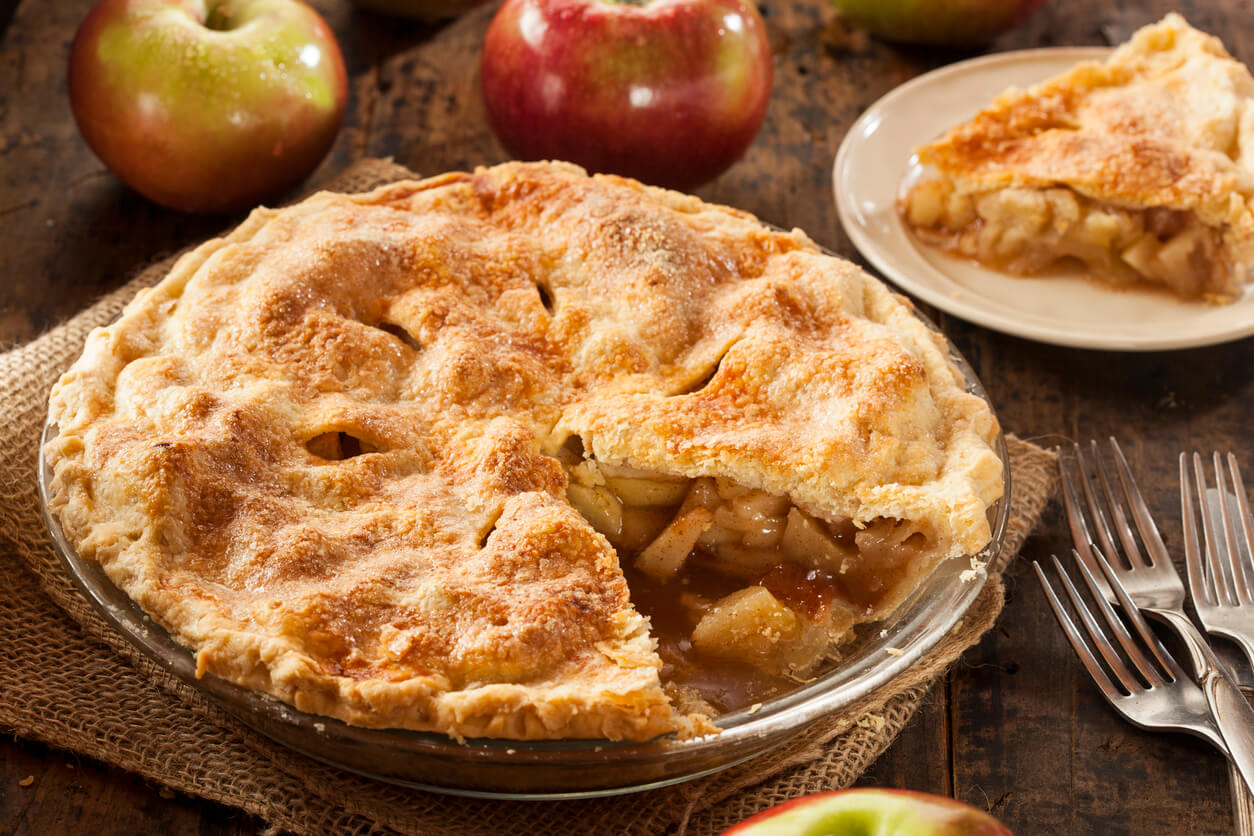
[
  {"x": 662, "y": 559},
  {"x": 752, "y": 625},
  {"x": 803, "y": 580},
  {"x": 1027, "y": 231}
]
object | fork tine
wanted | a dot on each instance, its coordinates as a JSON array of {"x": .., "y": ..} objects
[
  {"x": 1152, "y": 675},
  {"x": 1245, "y": 583},
  {"x": 1081, "y": 531},
  {"x": 1224, "y": 593},
  {"x": 1152, "y": 540},
  {"x": 1131, "y": 551},
  {"x": 1233, "y": 564},
  {"x": 1097, "y": 511},
  {"x": 1133, "y": 612},
  {"x": 1200, "y": 585},
  {"x": 1101, "y": 640},
  {"x": 1077, "y": 521},
  {"x": 1096, "y": 671}
]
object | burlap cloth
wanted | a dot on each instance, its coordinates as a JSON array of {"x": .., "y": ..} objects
[{"x": 68, "y": 680}]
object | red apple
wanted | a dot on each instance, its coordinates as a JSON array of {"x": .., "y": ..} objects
[
  {"x": 427, "y": 10},
  {"x": 670, "y": 92},
  {"x": 207, "y": 105},
  {"x": 937, "y": 22},
  {"x": 862, "y": 811}
]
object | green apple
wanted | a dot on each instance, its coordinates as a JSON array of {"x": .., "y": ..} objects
[
  {"x": 207, "y": 105},
  {"x": 870, "y": 812},
  {"x": 937, "y": 22}
]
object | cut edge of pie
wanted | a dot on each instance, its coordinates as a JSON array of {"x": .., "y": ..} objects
[
  {"x": 1140, "y": 167},
  {"x": 341, "y": 453}
]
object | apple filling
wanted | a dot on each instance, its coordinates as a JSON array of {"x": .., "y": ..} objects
[
  {"x": 1025, "y": 231},
  {"x": 743, "y": 588}
]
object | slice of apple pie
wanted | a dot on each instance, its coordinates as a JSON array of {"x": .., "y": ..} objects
[
  {"x": 1141, "y": 167},
  {"x": 520, "y": 453}
]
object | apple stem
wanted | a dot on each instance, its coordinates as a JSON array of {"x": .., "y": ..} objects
[{"x": 219, "y": 18}]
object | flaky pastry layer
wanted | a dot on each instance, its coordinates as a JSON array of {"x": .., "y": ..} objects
[
  {"x": 320, "y": 451},
  {"x": 1166, "y": 123}
]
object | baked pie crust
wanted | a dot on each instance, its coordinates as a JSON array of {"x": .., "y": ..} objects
[
  {"x": 339, "y": 452},
  {"x": 1142, "y": 167}
]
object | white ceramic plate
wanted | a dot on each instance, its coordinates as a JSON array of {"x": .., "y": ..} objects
[{"x": 1064, "y": 308}]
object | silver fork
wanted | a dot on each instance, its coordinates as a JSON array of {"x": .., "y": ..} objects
[
  {"x": 1223, "y": 589},
  {"x": 1163, "y": 696},
  {"x": 1150, "y": 580}
]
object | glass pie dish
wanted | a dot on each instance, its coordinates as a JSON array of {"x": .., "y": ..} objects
[{"x": 556, "y": 769}]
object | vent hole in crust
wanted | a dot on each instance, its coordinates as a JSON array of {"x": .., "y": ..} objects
[
  {"x": 337, "y": 446},
  {"x": 401, "y": 334},
  {"x": 546, "y": 297},
  {"x": 487, "y": 530},
  {"x": 704, "y": 381}
]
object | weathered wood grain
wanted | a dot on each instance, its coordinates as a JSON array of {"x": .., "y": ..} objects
[
  {"x": 920, "y": 758},
  {"x": 44, "y": 792},
  {"x": 1016, "y": 727}
]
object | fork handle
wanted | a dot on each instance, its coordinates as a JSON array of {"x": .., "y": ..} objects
[
  {"x": 1235, "y": 720},
  {"x": 1242, "y": 803},
  {"x": 1233, "y": 714}
]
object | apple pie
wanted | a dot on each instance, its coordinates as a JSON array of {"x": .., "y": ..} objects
[
  {"x": 1141, "y": 168},
  {"x": 518, "y": 453}
]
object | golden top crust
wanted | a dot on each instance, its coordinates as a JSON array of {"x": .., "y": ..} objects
[
  {"x": 1165, "y": 122},
  {"x": 457, "y": 331}
]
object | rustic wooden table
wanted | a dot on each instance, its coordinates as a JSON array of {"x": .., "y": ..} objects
[{"x": 1016, "y": 727}]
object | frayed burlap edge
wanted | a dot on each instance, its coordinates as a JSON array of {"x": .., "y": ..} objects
[{"x": 58, "y": 685}]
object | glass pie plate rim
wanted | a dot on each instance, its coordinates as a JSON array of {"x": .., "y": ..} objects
[{"x": 567, "y": 769}]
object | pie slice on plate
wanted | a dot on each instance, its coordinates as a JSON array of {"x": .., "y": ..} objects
[
  {"x": 1141, "y": 167},
  {"x": 518, "y": 453}
]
